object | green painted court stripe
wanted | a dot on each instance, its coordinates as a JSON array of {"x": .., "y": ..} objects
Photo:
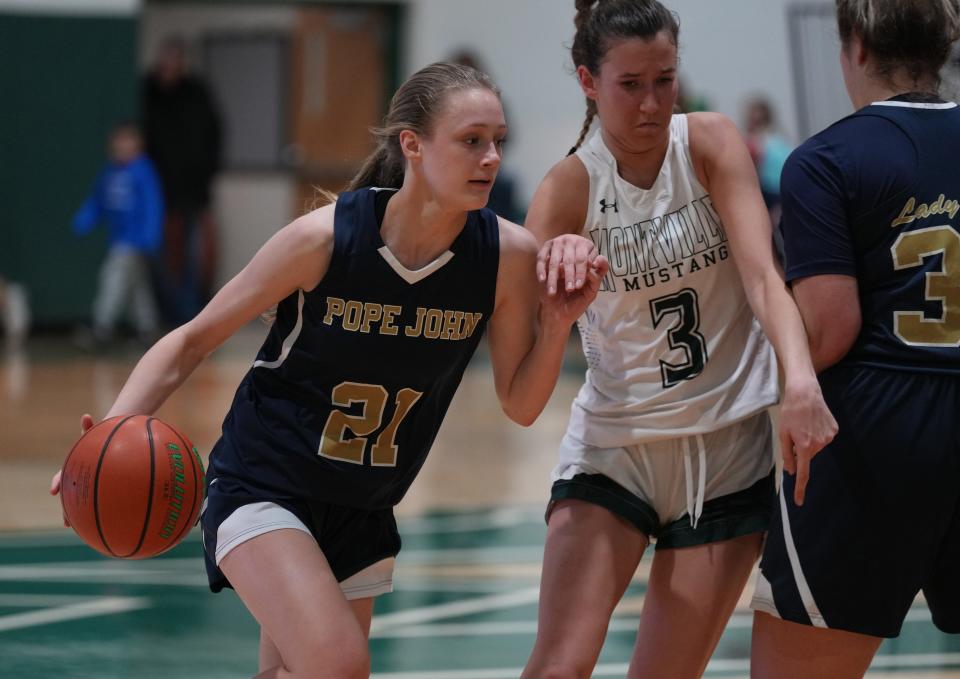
[
  {"x": 103, "y": 606},
  {"x": 103, "y": 571},
  {"x": 714, "y": 666},
  {"x": 425, "y": 584},
  {"x": 41, "y": 600},
  {"x": 507, "y": 517},
  {"x": 907, "y": 660},
  {"x": 514, "y": 627},
  {"x": 472, "y": 556},
  {"x": 58, "y": 538},
  {"x": 500, "y": 673},
  {"x": 453, "y": 609}
]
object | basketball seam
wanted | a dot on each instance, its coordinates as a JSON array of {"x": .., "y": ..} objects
[
  {"x": 96, "y": 484},
  {"x": 153, "y": 473}
]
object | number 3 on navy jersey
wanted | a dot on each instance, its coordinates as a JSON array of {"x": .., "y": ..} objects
[
  {"x": 374, "y": 400},
  {"x": 914, "y": 327},
  {"x": 683, "y": 335}
]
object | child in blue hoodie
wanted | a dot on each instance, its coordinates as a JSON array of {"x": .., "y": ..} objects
[{"x": 127, "y": 198}]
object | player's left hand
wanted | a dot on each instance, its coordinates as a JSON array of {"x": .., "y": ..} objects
[
  {"x": 570, "y": 272},
  {"x": 806, "y": 426}
]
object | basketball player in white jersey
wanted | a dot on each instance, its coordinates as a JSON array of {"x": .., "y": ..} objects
[{"x": 669, "y": 438}]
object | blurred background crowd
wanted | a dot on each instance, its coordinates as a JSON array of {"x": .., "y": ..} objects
[{"x": 150, "y": 146}]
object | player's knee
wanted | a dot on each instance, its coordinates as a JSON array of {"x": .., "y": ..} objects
[
  {"x": 351, "y": 661},
  {"x": 356, "y": 666},
  {"x": 564, "y": 671},
  {"x": 558, "y": 668},
  {"x": 347, "y": 657}
]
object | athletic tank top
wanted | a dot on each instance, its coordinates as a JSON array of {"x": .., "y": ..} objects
[
  {"x": 672, "y": 346},
  {"x": 876, "y": 196},
  {"x": 352, "y": 383}
]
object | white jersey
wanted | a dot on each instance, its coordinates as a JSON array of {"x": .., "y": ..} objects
[{"x": 672, "y": 346}]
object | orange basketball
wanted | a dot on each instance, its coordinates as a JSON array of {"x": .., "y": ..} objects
[{"x": 132, "y": 487}]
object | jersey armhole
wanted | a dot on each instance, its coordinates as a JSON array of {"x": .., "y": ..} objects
[{"x": 584, "y": 226}]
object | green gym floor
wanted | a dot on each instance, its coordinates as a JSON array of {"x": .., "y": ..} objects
[
  {"x": 464, "y": 607},
  {"x": 466, "y": 583}
]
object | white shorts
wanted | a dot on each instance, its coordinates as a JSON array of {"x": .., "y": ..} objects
[
  {"x": 669, "y": 480},
  {"x": 249, "y": 521},
  {"x": 360, "y": 545}
]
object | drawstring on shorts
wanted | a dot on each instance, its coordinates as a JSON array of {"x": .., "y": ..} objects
[{"x": 695, "y": 502}]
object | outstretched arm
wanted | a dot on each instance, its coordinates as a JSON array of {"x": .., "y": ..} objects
[
  {"x": 806, "y": 425},
  {"x": 530, "y": 327},
  {"x": 296, "y": 257}
]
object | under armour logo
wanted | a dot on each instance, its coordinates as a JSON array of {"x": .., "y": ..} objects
[{"x": 604, "y": 206}]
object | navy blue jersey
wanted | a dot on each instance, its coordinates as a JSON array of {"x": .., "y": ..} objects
[
  {"x": 351, "y": 385},
  {"x": 875, "y": 196}
]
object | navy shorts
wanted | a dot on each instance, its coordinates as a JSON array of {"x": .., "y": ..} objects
[
  {"x": 358, "y": 544},
  {"x": 881, "y": 518}
]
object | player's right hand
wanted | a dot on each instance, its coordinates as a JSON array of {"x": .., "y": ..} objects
[
  {"x": 86, "y": 423},
  {"x": 806, "y": 426}
]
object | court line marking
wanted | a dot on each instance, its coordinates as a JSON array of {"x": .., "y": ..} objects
[
  {"x": 159, "y": 571},
  {"x": 56, "y": 538},
  {"x": 501, "y": 517},
  {"x": 100, "y": 571},
  {"x": 906, "y": 660},
  {"x": 717, "y": 665},
  {"x": 504, "y": 517},
  {"x": 472, "y": 556},
  {"x": 453, "y": 609},
  {"x": 513, "y": 627},
  {"x": 42, "y": 600},
  {"x": 401, "y": 584},
  {"x": 103, "y": 606}
]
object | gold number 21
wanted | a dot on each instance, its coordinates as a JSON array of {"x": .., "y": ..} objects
[
  {"x": 374, "y": 400},
  {"x": 943, "y": 286}
]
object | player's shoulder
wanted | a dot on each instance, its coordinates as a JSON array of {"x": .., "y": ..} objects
[
  {"x": 569, "y": 170},
  {"x": 866, "y": 141},
  {"x": 314, "y": 230},
  {"x": 710, "y": 125},
  {"x": 709, "y": 131},
  {"x": 866, "y": 129},
  {"x": 712, "y": 138},
  {"x": 567, "y": 178},
  {"x": 559, "y": 204},
  {"x": 515, "y": 240}
]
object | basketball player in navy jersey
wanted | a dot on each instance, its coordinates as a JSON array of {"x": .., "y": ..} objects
[
  {"x": 669, "y": 438},
  {"x": 381, "y": 300},
  {"x": 872, "y": 237}
]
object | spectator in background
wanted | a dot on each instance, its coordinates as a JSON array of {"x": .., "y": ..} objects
[
  {"x": 769, "y": 150},
  {"x": 503, "y": 195},
  {"x": 14, "y": 313},
  {"x": 183, "y": 138},
  {"x": 127, "y": 198},
  {"x": 690, "y": 103},
  {"x": 950, "y": 76}
]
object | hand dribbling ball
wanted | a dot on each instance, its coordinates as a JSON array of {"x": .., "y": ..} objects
[{"x": 132, "y": 487}]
